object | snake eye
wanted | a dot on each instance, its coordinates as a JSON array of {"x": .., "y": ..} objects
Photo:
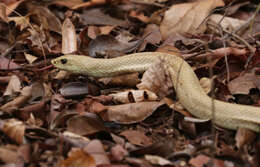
[{"x": 63, "y": 61}]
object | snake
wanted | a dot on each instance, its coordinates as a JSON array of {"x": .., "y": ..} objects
[{"x": 185, "y": 82}]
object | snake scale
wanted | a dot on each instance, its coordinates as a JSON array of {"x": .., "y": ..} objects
[{"x": 188, "y": 89}]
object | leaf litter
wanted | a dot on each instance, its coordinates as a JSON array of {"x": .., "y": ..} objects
[{"x": 51, "y": 118}]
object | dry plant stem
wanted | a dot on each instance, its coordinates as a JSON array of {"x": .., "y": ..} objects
[
  {"x": 253, "y": 19},
  {"x": 226, "y": 59},
  {"x": 40, "y": 41},
  {"x": 251, "y": 49},
  {"x": 186, "y": 84},
  {"x": 217, "y": 53}
]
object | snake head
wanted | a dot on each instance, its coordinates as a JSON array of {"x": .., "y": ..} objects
[{"x": 67, "y": 63}]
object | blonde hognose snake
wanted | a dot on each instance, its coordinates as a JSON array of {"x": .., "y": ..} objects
[{"x": 185, "y": 82}]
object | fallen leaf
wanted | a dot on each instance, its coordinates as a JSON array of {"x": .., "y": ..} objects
[
  {"x": 244, "y": 137},
  {"x": 74, "y": 139},
  {"x": 140, "y": 16},
  {"x": 96, "y": 149},
  {"x": 129, "y": 80},
  {"x": 109, "y": 46},
  {"x": 136, "y": 137},
  {"x": 21, "y": 22},
  {"x": 243, "y": 84},
  {"x": 86, "y": 124},
  {"x": 202, "y": 160},
  {"x": 14, "y": 86},
  {"x": 47, "y": 19},
  {"x": 187, "y": 17},
  {"x": 156, "y": 79},
  {"x": 95, "y": 16},
  {"x": 8, "y": 155},
  {"x": 78, "y": 158},
  {"x": 156, "y": 160},
  {"x": 14, "y": 129},
  {"x": 6, "y": 64},
  {"x": 30, "y": 58},
  {"x": 7, "y": 10},
  {"x": 74, "y": 89},
  {"x": 130, "y": 113},
  {"x": 69, "y": 38},
  {"x": 227, "y": 23},
  {"x": 132, "y": 96},
  {"x": 76, "y": 4},
  {"x": 118, "y": 153},
  {"x": 26, "y": 94}
]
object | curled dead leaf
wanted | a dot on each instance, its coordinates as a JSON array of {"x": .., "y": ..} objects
[
  {"x": 227, "y": 23},
  {"x": 187, "y": 17},
  {"x": 14, "y": 86},
  {"x": 96, "y": 149},
  {"x": 86, "y": 124},
  {"x": 26, "y": 94},
  {"x": 14, "y": 129},
  {"x": 78, "y": 158},
  {"x": 132, "y": 96},
  {"x": 69, "y": 38},
  {"x": 156, "y": 79},
  {"x": 130, "y": 113},
  {"x": 136, "y": 137},
  {"x": 244, "y": 137}
]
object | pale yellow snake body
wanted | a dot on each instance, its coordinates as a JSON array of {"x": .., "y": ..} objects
[{"x": 190, "y": 94}]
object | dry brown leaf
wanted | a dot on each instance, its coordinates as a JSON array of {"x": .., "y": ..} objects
[
  {"x": 96, "y": 149},
  {"x": 227, "y": 23},
  {"x": 156, "y": 80},
  {"x": 14, "y": 129},
  {"x": 122, "y": 80},
  {"x": 69, "y": 38},
  {"x": 243, "y": 84},
  {"x": 136, "y": 137},
  {"x": 132, "y": 96},
  {"x": 96, "y": 16},
  {"x": 155, "y": 37},
  {"x": 118, "y": 152},
  {"x": 86, "y": 124},
  {"x": 76, "y": 4},
  {"x": 7, "y": 64},
  {"x": 74, "y": 139},
  {"x": 130, "y": 113},
  {"x": 74, "y": 89},
  {"x": 140, "y": 16},
  {"x": 48, "y": 20},
  {"x": 14, "y": 86},
  {"x": 187, "y": 17},
  {"x": 202, "y": 160},
  {"x": 21, "y": 22},
  {"x": 244, "y": 137},
  {"x": 8, "y": 155},
  {"x": 157, "y": 160},
  {"x": 61, "y": 75},
  {"x": 26, "y": 94},
  {"x": 7, "y": 10},
  {"x": 78, "y": 158},
  {"x": 30, "y": 58}
]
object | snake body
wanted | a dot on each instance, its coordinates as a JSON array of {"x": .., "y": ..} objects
[{"x": 189, "y": 92}]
